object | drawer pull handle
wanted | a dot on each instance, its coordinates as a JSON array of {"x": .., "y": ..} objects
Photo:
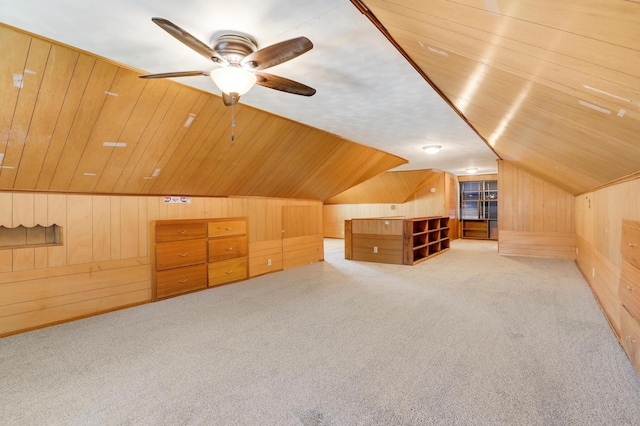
[
  {"x": 228, "y": 229},
  {"x": 630, "y": 288},
  {"x": 182, "y": 232},
  {"x": 183, "y": 255},
  {"x": 229, "y": 272},
  {"x": 631, "y": 244},
  {"x": 184, "y": 281},
  {"x": 229, "y": 249},
  {"x": 629, "y": 339}
]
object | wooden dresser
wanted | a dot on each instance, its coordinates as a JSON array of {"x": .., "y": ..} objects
[
  {"x": 189, "y": 255},
  {"x": 629, "y": 291}
]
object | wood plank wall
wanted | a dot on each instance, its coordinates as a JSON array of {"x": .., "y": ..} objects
[
  {"x": 104, "y": 263},
  {"x": 423, "y": 203},
  {"x": 599, "y": 218},
  {"x": 535, "y": 217}
]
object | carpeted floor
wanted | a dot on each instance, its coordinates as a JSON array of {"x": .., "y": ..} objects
[{"x": 466, "y": 338}]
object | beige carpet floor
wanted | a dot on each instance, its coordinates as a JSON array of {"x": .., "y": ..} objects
[{"x": 466, "y": 338}]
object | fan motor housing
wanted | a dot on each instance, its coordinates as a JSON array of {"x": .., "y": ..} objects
[{"x": 234, "y": 47}]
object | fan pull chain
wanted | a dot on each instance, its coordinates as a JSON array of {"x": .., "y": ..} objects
[{"x": 233, "y": 117}]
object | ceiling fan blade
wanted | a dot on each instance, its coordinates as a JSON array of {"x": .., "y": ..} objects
[
  {"x": 277, "y": 53},
  {"x": 284, "y": 84},
  {"x": 230, "y": 100},
  {"x": 176, "y": 74},
  {"x": 190, "y": 40}
]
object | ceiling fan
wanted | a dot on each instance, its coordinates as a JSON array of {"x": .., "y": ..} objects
[{"x": 240, "y": 62}]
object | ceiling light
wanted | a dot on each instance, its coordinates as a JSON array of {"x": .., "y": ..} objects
[
  {"x": 431, "y": 149},
  {"x": 233, "y": 79},
  {"x": 472, "y": 170}
]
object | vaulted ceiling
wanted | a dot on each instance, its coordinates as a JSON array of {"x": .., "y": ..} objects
[{"x": 549, "y": 85}]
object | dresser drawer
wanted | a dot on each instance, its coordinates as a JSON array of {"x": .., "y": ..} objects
[
  {"x": 630, "y": 336},
  {"x": 227, "y": 227},
  {"x": 180, "y": 231},
  {"x": 226, "y": 271},
  {"x": 629, "y": 288},
  {"x": 227, "y": 248},
  {"x": 181, "y": 280},
  {"x": 631, "y": 242},
  {"x": 181, "y": 253}
]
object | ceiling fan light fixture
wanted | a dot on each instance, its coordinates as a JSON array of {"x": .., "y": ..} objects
[
  {"x": 233, "y": 79},
  {"x": 432, "y": 149}
]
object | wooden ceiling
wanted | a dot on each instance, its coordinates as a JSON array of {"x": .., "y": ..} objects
[
  {"x": 551, "y": 85},
  {"x": 389, "y": 187},
  {"x": 74, "y": 122}
]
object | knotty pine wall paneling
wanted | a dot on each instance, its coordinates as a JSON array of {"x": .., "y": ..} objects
[
  {"x": 104, "y": 262},
  {"x": 599, "y": 216},
  {"x": 535, "y": 218}
]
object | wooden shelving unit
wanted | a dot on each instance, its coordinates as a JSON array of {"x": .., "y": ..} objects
[
  {"x": 424, "y": 238},
  {"x": 479, "y": 209},
  {"x": 396, "y": 240}
]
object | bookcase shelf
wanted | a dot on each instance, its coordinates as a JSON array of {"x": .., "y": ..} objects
[
  {"x": 479, "y": 209},
  {"x": 396, "y": 240},
  {"x": 424, "y": 238}
]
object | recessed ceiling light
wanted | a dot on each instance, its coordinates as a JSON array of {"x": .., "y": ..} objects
[
  {"x": 472, "y": 170},
  {"x": 431, "y": 149}
]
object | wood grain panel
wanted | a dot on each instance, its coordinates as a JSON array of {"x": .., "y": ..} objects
[
  {"x": 55, "y": 315},
  {"x": 101, "y": 216},
  {"x": 82, "y": 69},
  {"x": 117, "y": 107},
  {"x": 118, "y": 163},
  {"x": 23, "y": 210},
  {"x": 603, "y": 277},
  {"x": 301, "y": 251},
  {"x": 173, "y": 161},
  {"x": 389, "y": 248},
  {"x": 14, "y": 48},
  {"x": 163, "y": 140},
  {"x": 84, "y": 121},
  {"x": 298, "y": 221},
  {"x": 129, "y": 227},
  {"x": 175, "y": 149},
  {"x": 259, "y": 255},
  {"x": 157, "y": 113},
  {"x": 377, "y": 226},
  {"x": 540, "y": 244},
  {"x": 24, "y": 110},
  {"x": 535, "y": 217},
  {"x": 68, "y": 282},
  {"x": 79, "y": 237}
]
